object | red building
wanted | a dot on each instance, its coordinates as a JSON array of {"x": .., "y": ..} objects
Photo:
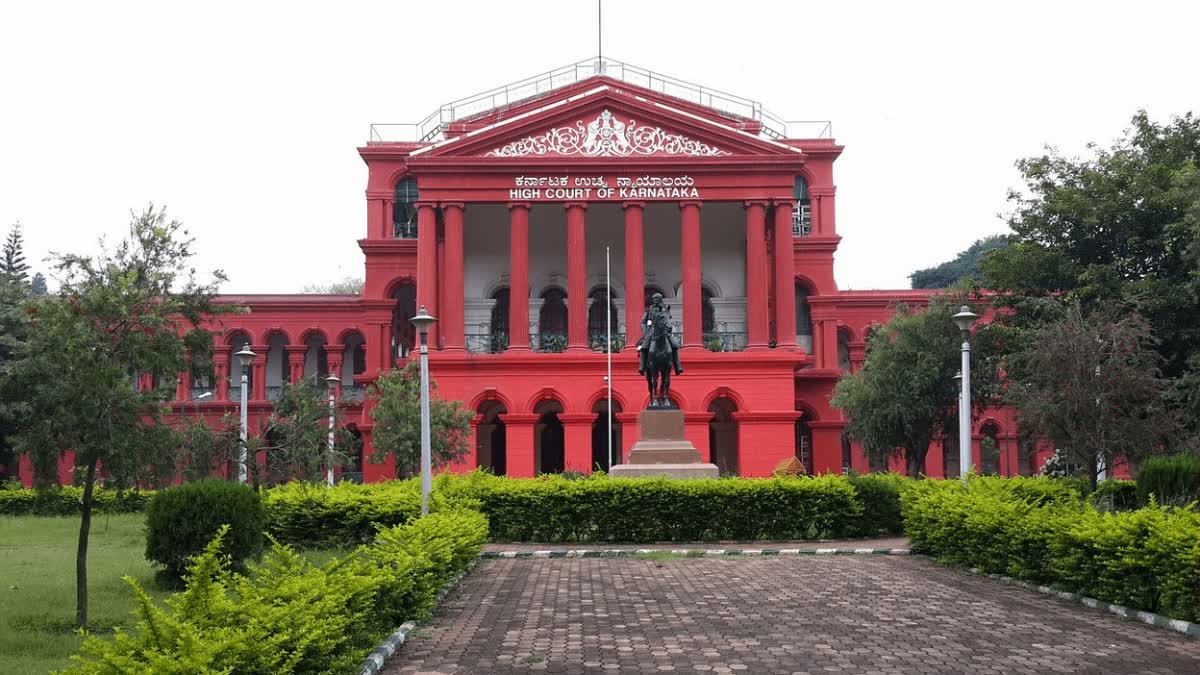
[{"x": 496, "y": 212}]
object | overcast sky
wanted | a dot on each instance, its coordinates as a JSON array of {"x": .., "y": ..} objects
[{"x": 243, "y": 117}]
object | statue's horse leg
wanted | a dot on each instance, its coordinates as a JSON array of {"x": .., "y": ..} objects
[
  {"x": 650, "y": 383},
  {"x": 666, "y": 385}
]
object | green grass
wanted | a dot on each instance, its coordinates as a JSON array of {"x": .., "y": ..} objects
[{"x": 37, "y": 584}]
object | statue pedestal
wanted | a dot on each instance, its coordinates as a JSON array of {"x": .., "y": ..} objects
[{"x": 662, "y": 450}]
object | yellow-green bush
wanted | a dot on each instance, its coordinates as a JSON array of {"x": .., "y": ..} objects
[
  {"x": 66, "y": 501},
  {"x": 316, "y": 516}
]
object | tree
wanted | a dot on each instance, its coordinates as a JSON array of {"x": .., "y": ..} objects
[
  {"x": 964, "y": 266},
  {"x": 136, "y": 309},
  {"x": 906, "y": 395},
  {"x": 397, "y": 421},
  {"x": 345, "y": 286},
  {"x": 12, "y": 257},
  {"x": 37, "y": 286},
  {"x": 203, "y": 449},
  {"x": 295, "y": 437},
  {"x": 1091, "y": 383},
  {"x": 13, "y": 330},
  {"x": 1116, "y": 230}
]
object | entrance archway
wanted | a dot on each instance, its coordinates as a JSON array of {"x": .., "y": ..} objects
[
  {"x": 600, "y": 435},
  {"x": 404, "y": 335},
  {"x": 549, "y": 443},
  {"x": 723, "y": 436},
  {"x": 804, "y": 440},
  {"x": 491, "y": 438}
]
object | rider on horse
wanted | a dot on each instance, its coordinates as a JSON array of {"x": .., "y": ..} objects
[{"x": 657, "y": 311}]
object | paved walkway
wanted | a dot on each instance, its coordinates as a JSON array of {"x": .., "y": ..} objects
[
  {"x": 848, "y": 614},
  {"x": 877, "y": 542}
]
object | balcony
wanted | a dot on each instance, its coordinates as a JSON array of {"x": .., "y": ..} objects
[
  {"x": 551, "y": 343},
  {"x": 726, "y": 341},
  {"x": 486, "y": 343}
]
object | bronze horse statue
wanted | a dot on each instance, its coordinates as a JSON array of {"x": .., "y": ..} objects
[{"x": 659, "y": 361}]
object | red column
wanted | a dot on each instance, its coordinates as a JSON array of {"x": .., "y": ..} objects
[
  {"x": 826, "y": 447},
  {"x": 785, "y": 275},
  {"x": 577, "y": 441},
  {"x": 757, "y": 326},
  {"x": 452, "y": 309},
  {"x": 635, "y": 271},
  {"x": 221, "y": 375},
  {"x": 693, "y": 326},
  {"x": 576, "y": 277},
  {"x": 386, "y": 228},
  {"x": 519, "y": 443},
  {"x": 258, "y": 380},
  {"x": 295, "y": 357},
  {"x": 427, "y": 273},
  {"x": 518, "y": 276}
]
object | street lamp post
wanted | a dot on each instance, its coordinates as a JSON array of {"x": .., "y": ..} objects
[
  {"x": 331, "y": 384},
  {"x": 422, "y": 321},
  {"x": 183, "y": 404},
  {"x": 964, "y": 319},
  {"x": 244, "y": 357}
]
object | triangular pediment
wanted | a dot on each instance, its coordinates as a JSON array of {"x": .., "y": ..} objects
[{"x": 606, "y": 122}]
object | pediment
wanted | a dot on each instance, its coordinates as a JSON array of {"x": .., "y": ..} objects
[{"x": 606, "y": 122}]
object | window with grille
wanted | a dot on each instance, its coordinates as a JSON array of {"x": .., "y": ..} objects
[
  {"x": 802, "y": 214},
  {"x": 404, "y": 210}
]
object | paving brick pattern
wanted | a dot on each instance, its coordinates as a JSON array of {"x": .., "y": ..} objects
[
  {"x": 843, "y": 614},
  {"x": 878, "y": 542}
]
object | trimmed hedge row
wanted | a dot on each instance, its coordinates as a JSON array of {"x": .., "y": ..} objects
[
  {"x": 289, "y": 616},
  {"x": 67, "y": 501},
  {"x": 1147, "y": 559},
  {"x": 316, "y": 516}
]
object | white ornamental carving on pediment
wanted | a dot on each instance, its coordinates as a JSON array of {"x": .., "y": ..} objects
[{"x": 607, "y": 136}]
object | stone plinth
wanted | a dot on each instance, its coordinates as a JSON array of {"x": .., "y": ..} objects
[{"x": 662, "y": 450}]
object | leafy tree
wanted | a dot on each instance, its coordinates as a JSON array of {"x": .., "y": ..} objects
[
  {"x": 1091, "y": 383},
  {"x": 397, "y": 421},
  {"x": 1116, "y": 230},
  {"x": 134, "y": 309},
  {"x": 12, "y": 257},
  {"x": 344, "y": 286},
  {"x": 964, "y": 266},
  {"x": 295, "y": 437},
  {"x": 905, "y": 395},
  {"x": 203, "y": 449},
  {"x": 37, "y": 286},
  {"x": 13, "y": 331}
]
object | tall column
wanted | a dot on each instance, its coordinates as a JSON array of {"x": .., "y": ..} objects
[
  {"x": 518, "y": 276},
  {"x": 221, "y": 375},
  {"x": 519, "y": 443},
  {"x": 427, "y": 273},
  {"x": 785, "y": 275},
  {"x": 452, "y": 309},
  {"x": 576, "y": 277},
  {"x": 577, "y": 441},
  {"x": 387, "y": 228},
  {"x": 635, "y": 271},
  {"x": 295, "y": 358},
  {"x": 757, "y": 325},
  {"x": 693, "y": 326},
  {"x": 258, "y": 368}
]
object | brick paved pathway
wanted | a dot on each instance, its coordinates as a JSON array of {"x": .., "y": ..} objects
[
  {"x": 876, "y": 542},
  {"x": 848, "y": 614}
]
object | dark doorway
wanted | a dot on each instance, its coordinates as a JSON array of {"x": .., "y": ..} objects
[
  {"x": 804, "y": 443},
  {"x": 549, "y": 439},
  {"x": 723, "y": 436},
  {"x": 600, "y": 436},
  {"x": 492, "y": 439}
]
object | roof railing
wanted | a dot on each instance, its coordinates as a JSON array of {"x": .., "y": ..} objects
[{"x": 434, "y": 126}]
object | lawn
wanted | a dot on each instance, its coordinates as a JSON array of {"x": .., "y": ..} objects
[{"x": 37, "y": 588}]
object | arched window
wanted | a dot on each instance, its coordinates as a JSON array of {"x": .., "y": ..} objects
[
  {"x": 552, "y": 320},
  {"x": 843, "y": 351},
  {"x": 803, "y": 444},
  {"x": 600, "y": 435},
  {"x": 722, "y": 436},
  {"x": 491, "y": 438},
  {"x": 277, "y": 365},
  {"x": 707, "y": 313},
  {"x": 803, "y": 319},
  {"x": 597, "y": 325},
  {"x": 549, "y": 445},
  {"x": 404, "y": 210},
  {"x": 802, "y": 214},
  {"x": 404, "y": 335},
  {"x": 236, "y": 343},
  {"x": 316, "y": 361},
  {"x": 354, "y": 362}
]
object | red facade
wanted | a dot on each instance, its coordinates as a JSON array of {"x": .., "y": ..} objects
[{"x": 554, "y": 178}]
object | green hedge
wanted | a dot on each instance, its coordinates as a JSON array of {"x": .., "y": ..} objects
[
  {"x": 1147, "y": 559},
  {"x": 181, "y": 521},
  {"x": 67, "y": 501},
  {"x": 316, "y": 516},
  {"x": 1173, "y": 480},
  {"x": 879, "y": 494},
  {"x": 289, "y": 616}
]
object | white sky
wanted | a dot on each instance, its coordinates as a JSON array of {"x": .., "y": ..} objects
[{"x": 243, "y": 117}]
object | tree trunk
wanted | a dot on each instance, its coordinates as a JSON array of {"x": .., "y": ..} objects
[
  {"x": 85, "y": 526},
  {"x": 915, "y": 461}
]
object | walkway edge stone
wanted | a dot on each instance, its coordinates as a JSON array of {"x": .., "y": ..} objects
[
  {"x": 1187, "y": 628},
  {"x": 376, "y": 659},
  {"x": 687, "y": 552}
]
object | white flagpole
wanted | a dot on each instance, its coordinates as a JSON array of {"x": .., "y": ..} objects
[{"x": 608, "y": 352}]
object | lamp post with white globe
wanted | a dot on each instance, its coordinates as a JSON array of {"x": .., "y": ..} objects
[
  {"x": 422, "y": 321},
  {"x": 331, "y": 384},
  {"x": 244, "y": 357},
  {"x": 964, "y": 320}
]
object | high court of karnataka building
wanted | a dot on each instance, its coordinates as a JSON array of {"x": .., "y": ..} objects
[{"x": 496, "y": 212}]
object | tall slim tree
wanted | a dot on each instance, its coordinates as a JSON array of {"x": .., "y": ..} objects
[
  {"x": 397, "y": 421},
  {"x": 295, "y": 438},
  {"x": 37, "y": 285},
  {"x": 14, "y": 322},
  {"x": 136, "y": 309},
  {"x": 12, "y": 257}
]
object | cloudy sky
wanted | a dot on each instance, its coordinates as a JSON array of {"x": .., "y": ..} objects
[{"x": 243, "y": 117}]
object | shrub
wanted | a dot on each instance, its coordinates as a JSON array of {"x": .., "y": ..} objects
[
  {"x": 181, "y": 521},
  {"x": 1148, "y": 559},
  {"x": 1115, "y": 495},
  {"x": 1174, "y": 480},
  {"x": 289, "y": 615},
  {"x": 67, "y": 501},
  {"x": 879, "y": 494},
  {"x": 316, "y": 516}
]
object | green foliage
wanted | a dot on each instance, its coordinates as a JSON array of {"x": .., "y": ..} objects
[
  {"x": 396, "y": 415},
  {"x": 295, "y": 437},
  {"x": 343, "y": 286},
  {"x": 289, "y": 615},
  {"x": 1148, "y": 559},
  {"x": 13, "y": 268},
  {"x": 181, "y": 521},
  {"x": 1173, "y": 480},
  {"x": 1115, "y": 495},
  {"x": 603, "y": 509},
  {"x": 964, "y": 266},
  {"x": 905, "y": 395},
  {"x": 303, "y": 514},
  {"x": 67, "y": 501},
  {"x": 879, "y": 494},
  {"x": 203, "y": 449}
]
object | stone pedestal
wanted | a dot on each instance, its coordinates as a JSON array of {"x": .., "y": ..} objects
[{"x": 662, "y": 450}]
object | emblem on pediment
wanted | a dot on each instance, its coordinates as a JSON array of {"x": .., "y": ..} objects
[{"x": 607, "y": 136}]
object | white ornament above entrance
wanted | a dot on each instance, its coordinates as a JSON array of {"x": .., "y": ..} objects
[{"x": 607, "y": 136}]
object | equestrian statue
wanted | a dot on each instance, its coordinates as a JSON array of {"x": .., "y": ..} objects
[{"x": 658, "y": 352}]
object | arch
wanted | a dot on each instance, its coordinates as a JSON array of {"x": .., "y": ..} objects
[
  {"x": 234, "y": 334},
  {"x": 990, "y": 421},
  {"x": 490, "y": 394},
  {"x": 545, "y": 394},
  {"x": 404, "y": 212},
  {"x": 553, "y": 319},
  {"x": 316, "y": 360},
  {"x": 707, "y": 283},
  {"x": 347, "y": 333},
  {"x": 807, "y": 283},
  {"x": 651, "y": 289},
  {"x": 311, "y": 332},
  {"x": 808, "y": 412},
  {"x": 549, "y": 437},
  {"x": 492, "y": 287},
  {"x": 393, "y": 286},
  {"x": 354, "y": 361},
  {"x": 498, "y": 328},
  {"x": 843, "y": 348},
  {"x": 850, "y": 334},
  {"x": 723, "y": 434},
  {"x": 724, "y": 392},
  {"x": 404, "y": 336},
  {"x": 600, "y": 433},
  {"x": 601, "y": 396},
  {"x": 272, "y": 332},
  {"x": 989, "y": 461},
  {"x": 491, "y": 436},
  {"x": 397, "y": 175},
  {"x": 276, "y": 369},
  {"x": 596, "y": 320}
]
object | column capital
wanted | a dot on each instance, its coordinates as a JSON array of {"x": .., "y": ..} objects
[
  {"x": 296, "y": 349},
  {"x": 755, "y": 202},
  {"x": 633, "y": 204},
  {"x": 519, "y": 205},
  {"x": 789, "y": 201},
  {"x": 519, "y": 418},
  {"x": 575, "y": 205},
  {"x": 425, "y": 204},
  {"x": 452, "y": 205},
  {"x": 691, "y": 202}
]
